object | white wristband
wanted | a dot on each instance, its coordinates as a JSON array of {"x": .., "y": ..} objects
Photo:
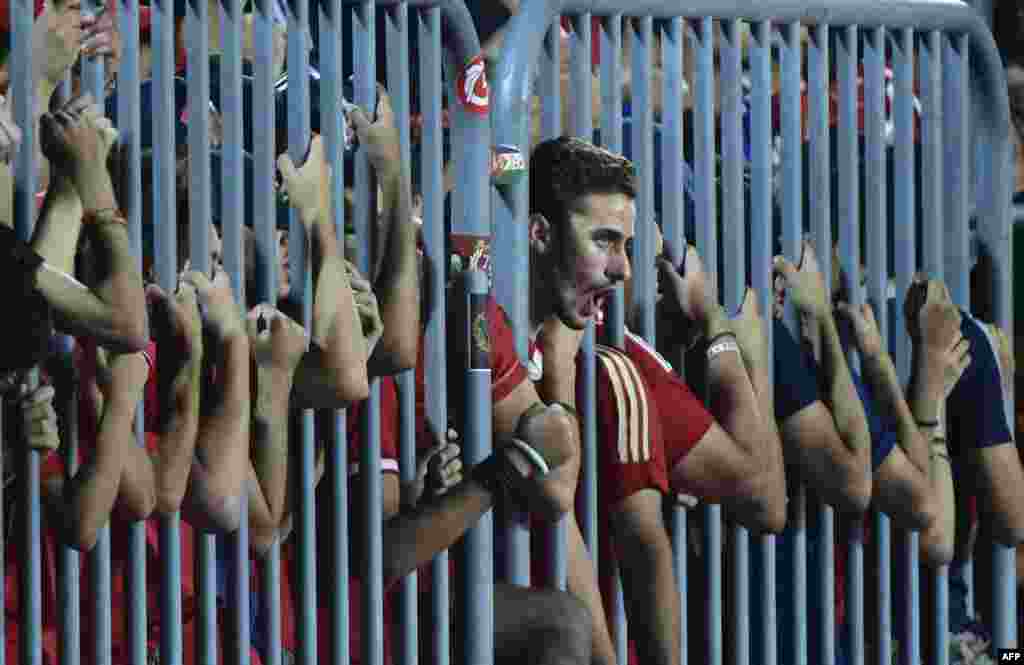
[
  {"x": 532, "y": 455},
  {"x": 723, "y": 346}
]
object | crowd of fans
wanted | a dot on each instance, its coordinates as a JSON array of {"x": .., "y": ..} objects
[{"x": 224, "y": 382}]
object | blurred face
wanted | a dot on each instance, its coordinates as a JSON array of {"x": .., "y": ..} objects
[
  {"x": 589, "y": 259},
  {"x": 283, "y": 260}
]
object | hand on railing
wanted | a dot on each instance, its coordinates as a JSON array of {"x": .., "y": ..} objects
[
  {"x": 278, "y": 342},
  {"x": 39, "y": 419},
  {"x": 309, "y": 186},
  {"x": 379, "y": 137},
  {"x": 438, "y": 470},
  {"x": 865, "y": 329},
  {"x": 77, "y": 141},
  {"x": 748, "y": 327},
  {"x": 690, "y": 293},
  {"x": 218, "y": 304}
]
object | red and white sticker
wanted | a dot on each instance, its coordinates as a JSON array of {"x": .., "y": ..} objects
[{"x": 473, "y": 91}]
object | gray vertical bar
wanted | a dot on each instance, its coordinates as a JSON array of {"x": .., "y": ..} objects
[
  {"x": 364, "y": 32},
  {"x": 232, "y": 216},
  {"x": 820, "y": 196},
  {"x": 792, "y": 229},
  {"x": 875, "y": 219},
  {"x": 734, "y": 285},
  {"x": 932, "y": 123},
  {"x": 582, "y": 125},
  {"x": 477, "y": 568},
  {"x": 905, "y": 196},
  {"x": 956, "y": 135},
  {"x": 672, "y": 35},
  {"x": 550, "y": 83},
  {"x": 92, "y": 67},
  {"x": 69, "y": 571},
  {"x": 611, "y": 136},
  {"x": 131, "y": 205},
  {"x": 905, "y": 262},
  {"x": 848, "y": 212},
  {"x": 166, "y": 263},
  {"x": 707, "y": 244},
  {"x": 199, "y": 253},
  {"x": 264, "y": 215},
  {"x": 476, "y": 606},
  {"x": 398, "y": 84},
  {"x": 99, "y": 556},
  {"x": 641, "y": 38},
  {"x": 330, "y": 22},
  {"x": 761, "y": 245},
  {"x": 301, "y": 278},
  {"x": 435, "y": 369}
]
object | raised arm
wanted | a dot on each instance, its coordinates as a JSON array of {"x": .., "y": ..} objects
[
  {"x": 221, "y": 464},
  {"x": 278, "y": 344},
  {"x": 395, "y": 274},
  {"x": 333, "y": 372},
  {"x": 729, "y": 461},
  {"x": 112, "y": 308},
  {"x": 844, "y": 461},
  {"x": 177, "y": 329},
  {"x": 119, "y": 472}
]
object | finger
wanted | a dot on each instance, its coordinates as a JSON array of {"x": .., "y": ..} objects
[
  {"x": 965, "y": 362},
  {"x": 454, "y": 480},
  {"x": 199, "y": 281},
  {"x": 287, "y": 168},
  {"x": 453, "y": 435},
  {"x": 453, "y": 467},
  {"x": 41, "y": 395},
  {"x": 316, "y": 150},
  {"x": 750, "y": 306},
  {"x": 784, "y": 267},
  {"x": 360, "y": 123},
  {"x": 432, "y": 452},
  {"x": 449, "y": 453},
  {"x": 383, "y": 103}
]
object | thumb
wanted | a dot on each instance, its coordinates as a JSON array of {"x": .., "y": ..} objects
[
  {"x": 155, "y": 295},
  {"x": 359, "y": 120},
  {"x": 287, "y": 168},
  {"x": 199, "y": 281},
  {"x": 783, "y": 266}
]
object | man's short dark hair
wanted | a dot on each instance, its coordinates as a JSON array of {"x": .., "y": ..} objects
[{"x": 564, "y": 170}]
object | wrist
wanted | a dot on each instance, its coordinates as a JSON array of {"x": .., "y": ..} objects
[{"x": 95, "y": 191}]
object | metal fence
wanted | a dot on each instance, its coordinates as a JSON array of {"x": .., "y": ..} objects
[{"x": 963, "y": 130}]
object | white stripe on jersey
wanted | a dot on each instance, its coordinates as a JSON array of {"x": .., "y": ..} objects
[
  {"x": 386, "y": 466},
  {"x": 642, "y": 343}
]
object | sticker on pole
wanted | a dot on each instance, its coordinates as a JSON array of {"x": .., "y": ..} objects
[
  {"x": 479, "y": 333},
  {"x": 472, "y": 87},
  {"x": 508, "y": 165}
]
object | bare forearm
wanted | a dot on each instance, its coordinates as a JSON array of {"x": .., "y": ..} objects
[
  {"x": 840, "y": 393},
  {"x": 94, "y": 489},
  {"x": 56, "y": 234},
  {"x": 881, "y": 375},
  {"x": 582, "y": 583},
  {"x": 223, "y": 441},
  {"x": 733, "y": 402},
  {"x": 397, "y": 287},
  {"x": 270, "y": 442},
  {"x": 177, "y": 448},
  {"x": 336, "y": 328},
  {"x": 412, "y": 539}
]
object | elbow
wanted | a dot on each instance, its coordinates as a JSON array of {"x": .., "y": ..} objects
[
  {"x": 261, "y": 541},
  {"x": 854, "y": 497},
  {"x": 936, "y": 551},
  {"x": 349, "y": 384},
  {"x": 83, "y": 534},
  {"x": 397, "y": 351},
  {"x": 168, "y": 501},
  {"x": 1008, "y": 533},
  {"x": 759, "y": 503}
]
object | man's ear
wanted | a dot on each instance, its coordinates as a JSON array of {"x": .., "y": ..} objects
[{"x": 541, "y": 239}]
